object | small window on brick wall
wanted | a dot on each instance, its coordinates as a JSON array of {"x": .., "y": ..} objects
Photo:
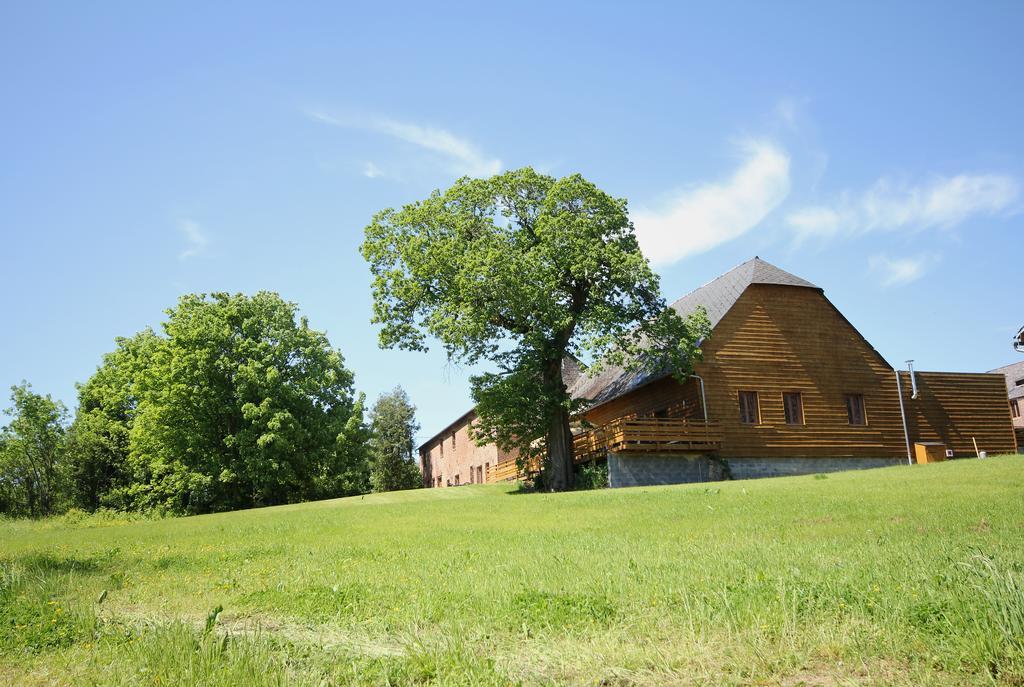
[
  {"x": 750, "y": 414},
  {"x": 1015, "y": 408}
]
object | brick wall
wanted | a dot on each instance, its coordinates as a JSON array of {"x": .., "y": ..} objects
[{"x": 451, "y": 458}]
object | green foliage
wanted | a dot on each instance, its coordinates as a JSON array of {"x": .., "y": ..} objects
[
  {"x": 33, "y": 619},
  {"x": 1000, "y": 588},
  {"x": 907, "y": 576},
  {"x": 392, "y": 451},
  {"x": 212, "y": 617},
  {"x": 592, "y": 476},
  {"x": 534, "y": 610},
  {"x": 99, "y": 439},
  {"x": 238, "y": 404},
  {"x": 32, "y": 475},
  {"x": 522, "y": 270}
]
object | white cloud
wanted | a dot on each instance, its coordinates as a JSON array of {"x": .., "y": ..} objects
[
  {"x": 898, "y": 271},
  {"x": 372, "y": 171},
  {"x": 462, "y": 156},
  {"x": 195, "y": 238},
  {"x": 944, "y": 202},
  {"x": 700, "y": 218}
]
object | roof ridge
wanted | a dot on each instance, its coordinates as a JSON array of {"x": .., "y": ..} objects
[
  {"x": 723, "y": 275},
  {"x": 717, "y": 297}
]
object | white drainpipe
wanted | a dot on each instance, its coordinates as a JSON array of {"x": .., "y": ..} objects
[
  {"x": 903, "y": 415},
  {"x": 913, "y": 380},
  {"x": 703, "y": 400}
]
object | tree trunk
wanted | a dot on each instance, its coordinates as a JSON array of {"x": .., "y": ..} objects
[{"x": 560, "y": 454}]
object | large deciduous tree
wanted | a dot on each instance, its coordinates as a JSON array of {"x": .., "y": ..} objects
[
  {"x": 99, "y": 439},
  {"x": 393, "y": 431},
  {"x": 521, "y": 270},
  {"x": 32, "y": 474},
  {"x": 238, "y": 403}
]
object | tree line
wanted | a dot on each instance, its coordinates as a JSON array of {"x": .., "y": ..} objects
[{"x": 237, "y": 402}]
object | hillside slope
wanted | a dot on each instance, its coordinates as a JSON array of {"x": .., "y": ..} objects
[{"x": 895, "y": 576}]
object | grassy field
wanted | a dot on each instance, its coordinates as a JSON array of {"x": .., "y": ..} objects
[{"x": 906, "y": 575}]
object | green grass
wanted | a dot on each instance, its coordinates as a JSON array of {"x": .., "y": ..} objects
[{"x": 897, "y": 576}]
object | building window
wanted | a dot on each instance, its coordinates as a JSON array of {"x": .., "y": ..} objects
[
  {"x": 1019, "y": 382},
  {"x": 794, "y": 406},
  {"x": 479, "y": 474},
  {"x": 456, "y": 480},
  {"x": 441, "y": 447},
  {"x": 1014, "y": 408},
  {"x": 750, "y": 413},
  {"x": 487, "y": 470},
  {"x": 855, "y": 409},
  {"x": 453, "y": 441}
]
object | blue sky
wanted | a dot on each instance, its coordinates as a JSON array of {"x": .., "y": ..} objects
[{"x": 151, "y": 151}]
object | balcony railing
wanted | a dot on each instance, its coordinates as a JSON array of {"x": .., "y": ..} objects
[
  {"x": 653, "y": 435},
  {"x": 504, "y": 471}
]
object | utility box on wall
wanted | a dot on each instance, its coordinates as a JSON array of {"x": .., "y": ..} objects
[{"x": 929, "y": 452}]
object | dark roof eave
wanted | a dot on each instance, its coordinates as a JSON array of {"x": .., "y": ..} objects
[{"x": 457, "y": 422}]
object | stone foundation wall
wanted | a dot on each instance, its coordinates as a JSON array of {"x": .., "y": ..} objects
[
  {"x": 636, "y": 470},
  {"x": 753, "y": 468}
]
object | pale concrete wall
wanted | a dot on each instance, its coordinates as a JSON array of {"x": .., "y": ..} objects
[{"x": 635, "y": 470}]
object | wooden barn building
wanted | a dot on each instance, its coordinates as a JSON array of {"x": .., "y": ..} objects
[{"x": 786, "y": 386}]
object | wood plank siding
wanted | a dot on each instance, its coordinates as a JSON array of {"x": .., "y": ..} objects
[
  {"x": 666, "y": 395},
  {"x": 785, "y": 339},
  {"x": 955, "y": 408},
  {"x": 811, "y": 386},
  {"x": 780, "y": 340}
]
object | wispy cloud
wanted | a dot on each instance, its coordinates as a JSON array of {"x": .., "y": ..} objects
[
  {"x": 372, "y": 171},
  {"x": 899, "y": 271},
  {"x": 196, "y": 240},
  {"x": 943, "y": 202},
  {"x": 461, "y": 155},
  {"x": 698, "y": 219}
]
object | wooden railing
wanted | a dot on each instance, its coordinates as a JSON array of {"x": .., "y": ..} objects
[
  {"x": 662, "y": 435},
  {"x": 505, "y": 471}
]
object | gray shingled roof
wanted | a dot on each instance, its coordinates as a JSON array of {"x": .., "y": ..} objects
[
  {"x": 1012, "y": 373},
  {"x": 717, "y": 297}
]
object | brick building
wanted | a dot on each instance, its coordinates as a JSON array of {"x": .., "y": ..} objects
[{"x": 450, "y": 458}]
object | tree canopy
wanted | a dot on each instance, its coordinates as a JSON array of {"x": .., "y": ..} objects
[
  {"x": 31, "y": 471},
  {"x": 392, "y": 445},
  {"x": 238, "y": 403},
  {"x": 521, "y": 270}
]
